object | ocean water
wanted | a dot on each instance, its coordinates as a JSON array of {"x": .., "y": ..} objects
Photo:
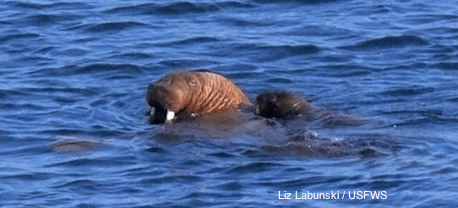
[{"x": 74, "y": 120}]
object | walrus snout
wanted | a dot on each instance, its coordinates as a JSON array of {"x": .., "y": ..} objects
[{"x": 164, "y": 100}]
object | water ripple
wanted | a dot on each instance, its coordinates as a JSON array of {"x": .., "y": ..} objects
[
  {"x": 112, "y": 26},
  {"x": 186, "y": 7},
  {"x": 389, "y": 42},
  {"x": 24, "y": 36},
  {"x": 410, "y": 91}
]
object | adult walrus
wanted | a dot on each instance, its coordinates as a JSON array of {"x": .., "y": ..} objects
[{"x": 189, "y": 93}]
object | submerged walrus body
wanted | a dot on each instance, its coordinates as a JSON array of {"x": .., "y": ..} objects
[{"x": 189, "y": 93}]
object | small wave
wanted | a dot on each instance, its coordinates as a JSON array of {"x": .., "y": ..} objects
[
  {"x": 450, "y": 65},
  {"x": 132, "y": 56},
  {"x": 71, "y": 52},
  {"x": 429, "y": 116},
  {"x": 42, "y": 19},
  {"x": 13, "y": 94},
  {"x": 135, "y": 9},
  {"x": 222, "y": 155},
  {"x": 230, "y": 186},
  {"x": 280, "y": 52},
  {"x": 186, "y": 63},
  {"x": 293, "y": 50},
  {"x": 420, "y": 116},
  {"x": 240, "y": 22},
  {"x": 408, "y": 66},
  {"x": 53, "y": 87},
  {"x": 455, "y": 99},
  {"x": 345, "y": 70},
  {"x": 196, "y": 40},
  {"x": 186, "y": 7},
  {"x": 173, "y": 177},
  {"x": 69, "y": 6},
  {"x": 81, "y": 184},
  {"x": 103, "y": 67},
  {"x": 237, "y": 67},
  {"x": 294, "y": 1},
  {"x": 246, "y": 75},
  {"x": 235, "y": 4},
  {"x": 49, "y": 19},
  {"x": 56, "y": 6},
  {"x": 446, "y": 170},
  {"x": 381, "y": 9},
  {"x": 279, "y": 81},
  {"x": 71, "y": 70},
  {"x": 156, "y": 150},
  {"x": 113, "y": 26},
  {"x": 23, "y": 107},
  {"x": 253, "y": 167},
  {"x": 272, "y": 53},
  {"x": 18, "y": 36},
  {"x": 174, "y": 8},
  {"x": 34, "y": 176},
  {"x": 388, "y": 42},
  {"x": 44, "y": 50},
  {"x": 410, "y": 91},
  {"x": 25, "y": 5},
  {"x": 74, "y": 52},
  {"x": 315, "y": 148}
]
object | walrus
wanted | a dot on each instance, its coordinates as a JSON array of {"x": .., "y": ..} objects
[
  {"x": 184, "y": 94},
  {"x": 281, "y": 104},
  {"x": 289, "y": 105}
]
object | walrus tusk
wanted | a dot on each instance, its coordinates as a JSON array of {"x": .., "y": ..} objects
[{"x": 170, "y": 115}]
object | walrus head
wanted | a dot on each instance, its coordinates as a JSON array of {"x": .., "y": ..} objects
[
  {"x": 189, "y": 93},
  {"x": 280, "y": 104}
]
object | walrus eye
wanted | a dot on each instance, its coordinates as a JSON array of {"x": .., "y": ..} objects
[{"x": 192, "y": 82}]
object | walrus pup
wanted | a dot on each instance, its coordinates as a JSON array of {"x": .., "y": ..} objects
[
  {"x": 281, "y": 104},
  {"x": 191, "y": 93}
]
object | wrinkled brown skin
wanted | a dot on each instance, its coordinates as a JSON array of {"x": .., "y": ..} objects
[
  {"x": 190, "y": 93},
  {"x": 281, "y": 104}
]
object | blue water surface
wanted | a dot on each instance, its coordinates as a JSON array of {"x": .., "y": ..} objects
[{"x": 74, "y": 120}]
